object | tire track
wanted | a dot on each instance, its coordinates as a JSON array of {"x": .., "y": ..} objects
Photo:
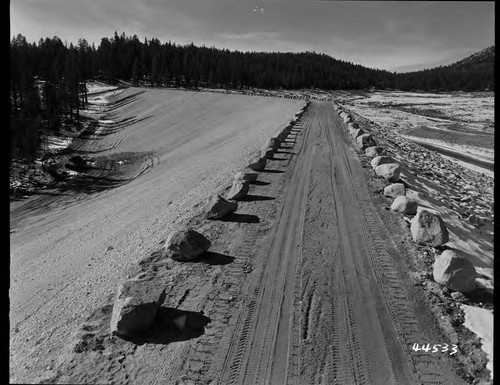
[
  {"x": 253, "y": 354},
  {"x": 396, "y": 318}
]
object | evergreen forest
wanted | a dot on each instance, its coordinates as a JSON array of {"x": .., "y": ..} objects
[{"x": 48, "y": 79}]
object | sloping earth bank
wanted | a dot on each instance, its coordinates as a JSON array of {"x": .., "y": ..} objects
[{"x": 70, "y": 247}]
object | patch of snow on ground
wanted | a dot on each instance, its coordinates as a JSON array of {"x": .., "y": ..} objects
[
  {"x": 98, "y": 87},
  {"x": 474, "y": 108},
  {"x": 480, "y": 322},
  {"x": 485, "y": 154},
  {"x": 470, "y": 166},
  {"x": 56, "y": 144},
  {"x": 103, "y": 98}
]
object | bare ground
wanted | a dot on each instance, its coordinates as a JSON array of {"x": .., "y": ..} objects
[{"x": 309, "y": 282}]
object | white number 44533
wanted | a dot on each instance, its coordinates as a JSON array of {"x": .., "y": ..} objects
[{"x": 443, "y": 348}]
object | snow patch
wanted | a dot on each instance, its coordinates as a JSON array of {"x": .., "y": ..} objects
[
  {"x": 470, "y": 166},
  {"x": 480, "y": 322},
  {"x": 99, "y": 87},
  {"x": 104, "y": 98},
  {"x": 56, "y": 144}
]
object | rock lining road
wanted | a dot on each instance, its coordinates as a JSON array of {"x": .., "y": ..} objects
[{"x": 313, "y": 294}]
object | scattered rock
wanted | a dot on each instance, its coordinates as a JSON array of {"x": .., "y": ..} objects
[
  {"x": 217, "y": 207},
  {"x": 135, "y": 307},
  {"x": 186, "y": 244},
  {"x": 394, "y": 190},
  {"x": 428, "y": 228},
  {"x": 246, "y": 175},
  {"x": 365, "y": 140},
  {"x": 381, "y": 159},
  {"x": 454, "y": 272},
  {"x": 239, "y": 189},
  {"x": 257, "y": 163},
  {"x": 357, "y": 132},
  {"x": 405, "y": 205},
  {"x": 457, "y": 296},
  {"x": 374, "y": 151},
  {"x": 389, "y": 171},
  {"x": 78, "y": 160},
  {"x": 472, "y": 219}
]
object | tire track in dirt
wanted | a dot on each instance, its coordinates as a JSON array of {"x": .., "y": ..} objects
[
  {"x": 249, "y": 358},
  {"x": 394, "y": 316},
  {"x": 328, "y": 306},
  {"x": 200, "y": 362}
]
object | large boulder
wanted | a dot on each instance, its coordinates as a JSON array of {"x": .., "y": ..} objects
[
  {"x": 239, "y": 189},
  {"x": 405, "y": 205},
  {"x": 267, "y": 152},
  {"x": 257, "y": 163},
  {"x": 381, "y": 159},
  {"x": 347, "y": 118},
  {"x": 365, "y": 140},
  {"x": 394, "y": 190},
  {"x": 217, "y": 207},
  {"x": 389, "y": 171},
  {"x": 280, "y": 136},
  {"x": 186, "y": 244},
  {"x": 428, "y": 229},
  {"x": 374, "y": 151},
  {"x": 352, "y": 125},
  {"x": 246, "y": 174},
  {"x": 356, "y": 132},
  {"x": 135, "y": 307},
  {"x": 78, "y": 161},
  {"x": 455, "y": 272},
  {"x": 273, "y": 143}
]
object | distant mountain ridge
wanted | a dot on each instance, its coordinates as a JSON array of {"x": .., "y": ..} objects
[
  {"x": 474, "y": 73},
  {"x": 481, "y": 60}
]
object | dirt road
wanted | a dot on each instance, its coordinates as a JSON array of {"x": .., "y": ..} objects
[
  {"x": 328, "y": 305},
  {"x": 305, "y": 286}
]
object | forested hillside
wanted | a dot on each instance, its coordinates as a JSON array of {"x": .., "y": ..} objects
[{"x": 48, "y": 78}]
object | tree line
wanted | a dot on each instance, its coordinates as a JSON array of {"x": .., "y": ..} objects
[{"x": 48, "y": 85}]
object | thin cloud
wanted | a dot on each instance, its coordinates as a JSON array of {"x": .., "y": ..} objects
[{"x": 377, "y": 34}]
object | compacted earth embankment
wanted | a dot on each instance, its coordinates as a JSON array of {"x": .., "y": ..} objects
[
  {"x": 308, "y": 279},
  {"x": 154, "y": 155}
]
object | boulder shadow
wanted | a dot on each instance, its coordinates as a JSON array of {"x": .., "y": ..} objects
[
  {"x": 274, "y": 158},
  {"x": 480, "y": 295},
  {"x": 212, "y": 258},
  {"x": 241, "y": 218},
  {"x": 260, "y": 183},
  {"x": 164, "y": 331},
  {"x": 253, "y": 198},
  {"x": 273, "y": 171}
]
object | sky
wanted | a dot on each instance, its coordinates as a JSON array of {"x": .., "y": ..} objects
[{"x": 392, "y": 35}]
